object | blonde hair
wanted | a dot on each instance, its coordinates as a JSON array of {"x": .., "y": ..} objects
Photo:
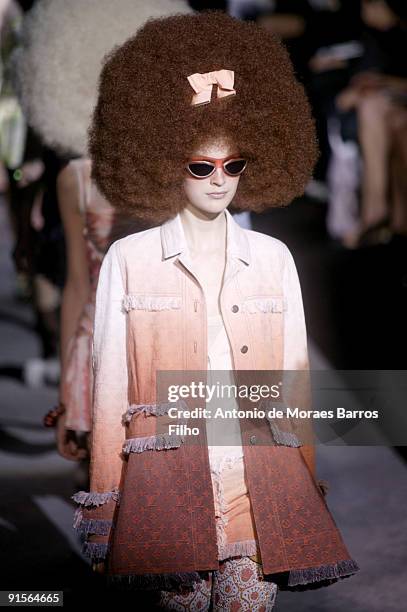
[{"x": 58, "y": 62}]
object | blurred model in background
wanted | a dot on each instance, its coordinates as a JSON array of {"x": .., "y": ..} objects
[
  {"x": 28, "y": 175},
  {"x": 57, "y": 69},
  {"x": 378, "y": 94}
]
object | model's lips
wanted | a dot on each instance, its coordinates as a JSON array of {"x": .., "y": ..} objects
[{"x": 217, "y": 194}]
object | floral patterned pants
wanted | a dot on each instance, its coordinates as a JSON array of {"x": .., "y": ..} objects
[{"x": 237, "y": 586}]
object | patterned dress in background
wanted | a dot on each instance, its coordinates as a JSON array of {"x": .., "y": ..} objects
[{"x": 102, "y": 226}]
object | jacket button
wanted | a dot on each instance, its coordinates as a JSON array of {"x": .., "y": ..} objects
[
  {"x": 252, "y": 439},
  {"x": 235, "y": 308},
  {"x": 244, "y": 349}
]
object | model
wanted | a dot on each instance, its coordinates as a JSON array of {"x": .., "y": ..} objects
[
  {"x": 56, "y": 72},
  {"x": 219, "y": 117}
]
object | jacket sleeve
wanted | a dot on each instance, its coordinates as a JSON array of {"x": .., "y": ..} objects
[
  {"x": 296, "y": 362},
  {"x": 96, "y": 509}
]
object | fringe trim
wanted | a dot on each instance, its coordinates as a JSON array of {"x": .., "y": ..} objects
[
  {"x": 156, "y": 442},
  {"x": 85, "y": 498},
  {"x": 154, "y": 409},
  {"x": 166, "y": 582},
  {"x": 254, "y": 305},
  {"x": 91, "y": 526},
  {"x": 151, "y": 302},
  {"x": 95, "y": 550},
  {"x": 323, "y": 572},
  {"x": 285, "y": 438},
  {"x": 237, "y": 549}
]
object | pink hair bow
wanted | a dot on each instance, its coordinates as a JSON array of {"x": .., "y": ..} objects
[{"x": 202, "y": 85}]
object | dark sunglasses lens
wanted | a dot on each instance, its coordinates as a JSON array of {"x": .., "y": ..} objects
[
  {"x": 235, "y": 166},
  {"x": 200, "y": 169}
]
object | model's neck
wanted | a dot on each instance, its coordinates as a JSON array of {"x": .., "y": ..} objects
[{"x": 204, "y": 233}]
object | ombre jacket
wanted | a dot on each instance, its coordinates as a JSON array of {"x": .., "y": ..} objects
[{"x": 150, "y": 509}]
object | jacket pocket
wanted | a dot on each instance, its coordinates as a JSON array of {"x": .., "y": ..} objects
[
  {"x": 266, "y": 314},
  {"x": 153, "y": 302},
  {"x": 275, "y": 304}
]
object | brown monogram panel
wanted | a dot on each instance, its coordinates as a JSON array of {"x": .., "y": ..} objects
[
  {"x": 295, "y": 527},
  {"x": 165, "y": 521}
]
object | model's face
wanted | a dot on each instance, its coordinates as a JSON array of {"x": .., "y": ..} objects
[{"x": 213, "y": 194}]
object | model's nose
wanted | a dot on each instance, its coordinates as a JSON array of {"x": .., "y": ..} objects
[{"x": 218, "y": 177}]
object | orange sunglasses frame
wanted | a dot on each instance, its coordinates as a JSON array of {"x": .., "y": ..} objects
[{"x": 217, "y": 162}]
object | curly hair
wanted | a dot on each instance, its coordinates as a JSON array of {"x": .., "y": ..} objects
[
  {"x": 144, "y": 126},
  {"x": 58, "y": 61}
]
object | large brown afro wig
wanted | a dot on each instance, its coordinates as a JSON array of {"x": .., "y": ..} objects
[{"x": 144, "y": 126}]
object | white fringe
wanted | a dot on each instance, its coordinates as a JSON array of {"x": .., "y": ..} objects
[
  {"x": 156, "y": 442},
  {"x": 237, "y": 549},
  {"x": 152, "y": 409},
  {"x": 91, "y": 526},
  {"x": 96, "y": 551},
  {"x": 334, "y": 571},
  {"x": 255, "y": 305},
  {"x": 91, "y": 498},
  {"x": 284, "y": 438},
  {"x": 150, "y": 302}
]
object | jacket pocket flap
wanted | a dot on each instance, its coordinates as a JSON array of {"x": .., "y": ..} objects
[
  {"x": 274, "y": 303},
  {"x": 151, "y": 302}
]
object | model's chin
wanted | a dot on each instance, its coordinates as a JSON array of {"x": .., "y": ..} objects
[
  {"x": 217, "y": 202},
  {"x": 212, "y": 206}
]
